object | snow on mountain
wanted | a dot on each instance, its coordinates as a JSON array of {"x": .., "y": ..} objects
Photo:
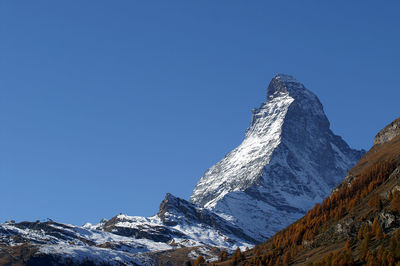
[
  {"x": 288, "y": 161},
  {"x": 128, "y": 240},
  {"x": 180, "y": 223},
  {"x": 74, "y": 244}
]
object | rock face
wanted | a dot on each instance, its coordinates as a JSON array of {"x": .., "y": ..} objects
[
  {"x": 388, "y": 133},
  {"x": 288, "y": 161}
]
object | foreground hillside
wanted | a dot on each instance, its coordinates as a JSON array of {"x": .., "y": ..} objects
[{"x": 357, "y": 224}]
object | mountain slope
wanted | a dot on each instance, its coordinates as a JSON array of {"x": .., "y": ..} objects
[
  {"x": 357, "y": 224},
  {"x": 288, "y": 161}
]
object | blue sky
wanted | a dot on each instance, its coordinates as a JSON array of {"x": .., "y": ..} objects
[{"x": 107, "y": 105}]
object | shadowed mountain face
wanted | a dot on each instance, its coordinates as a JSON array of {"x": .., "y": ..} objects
[{"x": 288, "y": 161}]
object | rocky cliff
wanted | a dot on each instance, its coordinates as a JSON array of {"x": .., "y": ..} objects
[{"x": 388, "y": 133}]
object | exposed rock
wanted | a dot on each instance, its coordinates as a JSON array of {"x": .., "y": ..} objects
[{"x": 388, "y": 133}]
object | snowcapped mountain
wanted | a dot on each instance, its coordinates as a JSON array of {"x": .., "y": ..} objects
[
  {"x": 288, "y": 161},
  {"x": 125, "y": 240}
]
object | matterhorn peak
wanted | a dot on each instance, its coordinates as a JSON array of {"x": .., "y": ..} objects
[
  {"x": 285, "y": 77},
  {"x": 283, "y": 83},
  {"x": 288, "y": 161}
]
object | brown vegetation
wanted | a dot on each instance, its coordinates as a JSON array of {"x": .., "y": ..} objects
[{"x": 298, "y": 238}]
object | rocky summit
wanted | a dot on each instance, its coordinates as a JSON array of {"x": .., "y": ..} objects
[{"x": 288, "y": 161}]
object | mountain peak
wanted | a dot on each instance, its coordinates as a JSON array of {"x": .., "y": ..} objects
[
  {"x": 170, "y": 202},
  {"x": 288, "y": 161},
  {"x": 285, "y": 78},
  {"x": 283, "y": 83}
]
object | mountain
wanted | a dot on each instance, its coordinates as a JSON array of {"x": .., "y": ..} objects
[
  {"x": 179, "y": 229},
  {"x": 179, "y": 223},
  {"x": 358, "y": 224},
  {"x": 288, "y": 161}
]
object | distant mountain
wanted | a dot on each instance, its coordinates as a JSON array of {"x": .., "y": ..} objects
[
  {"x": 288, "y": 161},
  {"x": 123, "y": 240},
  {"x": 179, "y": 223},
  {"x": 358, "y": 224}
]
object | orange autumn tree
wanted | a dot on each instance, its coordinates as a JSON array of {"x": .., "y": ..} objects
[{"x": 293, "y": 238}]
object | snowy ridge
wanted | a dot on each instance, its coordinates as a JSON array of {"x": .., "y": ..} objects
[
  {"x": 243, "y": 165},
  {"x": 181, "y": 224},
  {"x": 76, "y": 244},
  {"x": 288, "y": 161},
  {"x": 129, "y": 240}
]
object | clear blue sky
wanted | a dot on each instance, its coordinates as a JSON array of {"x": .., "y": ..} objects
[{"x": 107, "y": 105}]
